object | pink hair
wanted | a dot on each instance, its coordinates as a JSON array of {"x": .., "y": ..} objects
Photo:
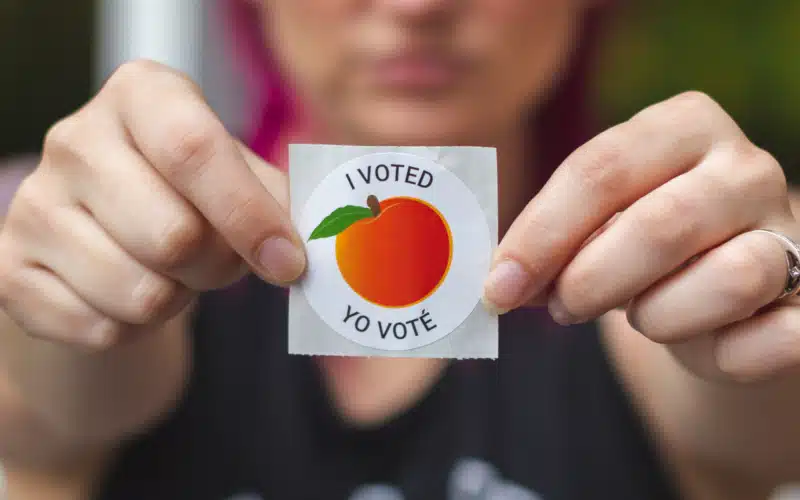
[{"x": 562, "y": 125}]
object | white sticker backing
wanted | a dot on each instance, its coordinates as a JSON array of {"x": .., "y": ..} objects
[{"x": 399, "y": 243}]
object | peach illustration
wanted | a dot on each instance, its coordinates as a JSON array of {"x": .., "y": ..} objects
[{"x": 395, "y": 253}]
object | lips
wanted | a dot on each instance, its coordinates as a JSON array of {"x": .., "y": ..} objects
[{"x": 416, "y": 71}]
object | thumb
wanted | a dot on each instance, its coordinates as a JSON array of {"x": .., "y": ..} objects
[{"x": 273, "y": 179}]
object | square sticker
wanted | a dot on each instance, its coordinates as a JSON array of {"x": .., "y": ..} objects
[{"x": 399, "y": 242}]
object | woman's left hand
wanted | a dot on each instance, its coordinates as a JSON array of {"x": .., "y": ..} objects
[{"x": 657, "y": 215}]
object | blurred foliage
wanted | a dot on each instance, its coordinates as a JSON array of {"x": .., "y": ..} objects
[{"x": 745, "y": 54}]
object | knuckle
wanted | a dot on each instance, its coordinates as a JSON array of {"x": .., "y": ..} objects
[
  {"x": 694, "y": 102},
  {"x": 787, "y": 321},
  {"x": 693, "y": 110},
  {"x": 607, "y": 166},
  {"x": 762, "y": 173},
  {"x": 639, "y": 317},
  {"x": 179, "y": 241},
  {"x": 578, "y": 288},
  {"x": 31, "y": 205},
  {"x": 748, "y": 279},
  {"x": 245, "y": 221},
  {"x": 668, "y": 220},
  {"x": 64, "y": 135},
  {"x": 191, "y": 141},
  {"x": 131, "y": 73},
  {"x": 151, "y": 296},
  {"x": 70, "y": 142},
  {"x": 136, "y": 69}
]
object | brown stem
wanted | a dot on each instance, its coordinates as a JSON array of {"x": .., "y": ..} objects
[{"x": 374, "y": 205}]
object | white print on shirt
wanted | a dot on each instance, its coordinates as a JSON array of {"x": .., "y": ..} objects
[
  {"x": 470, "y": 479},
  {"x": 475, "y": 479}
]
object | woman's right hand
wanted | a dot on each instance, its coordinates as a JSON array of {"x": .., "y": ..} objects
[{"x": 141, "y": 200}]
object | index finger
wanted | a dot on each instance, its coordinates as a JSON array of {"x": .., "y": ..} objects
[
  {"x": 601, "y": 178},
  {"x": 175, "y": 129}
]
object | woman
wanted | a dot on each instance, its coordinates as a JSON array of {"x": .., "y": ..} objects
[{"x": 142, "y": 200}]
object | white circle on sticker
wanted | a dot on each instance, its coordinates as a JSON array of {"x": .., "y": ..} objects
[{"x": 398, "y": 248}]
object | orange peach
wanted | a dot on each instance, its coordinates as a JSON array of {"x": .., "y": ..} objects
[
  {"x": 399, "y": 256},
  {"x": 395, "y": 255}
]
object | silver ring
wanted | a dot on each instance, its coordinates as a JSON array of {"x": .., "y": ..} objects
[{"x": 792, "y": 286}]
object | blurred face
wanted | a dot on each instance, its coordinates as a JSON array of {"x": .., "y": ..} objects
[{"x": 422, "y": 71}]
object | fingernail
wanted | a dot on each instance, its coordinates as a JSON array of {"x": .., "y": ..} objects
[
  {"x": 559, "y": 313},
  {"x": 505, "y": 287},
  {"x": 282, "y": 260},
  {"x": 102, "y": 334}
]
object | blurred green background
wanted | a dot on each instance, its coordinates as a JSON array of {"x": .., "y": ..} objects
[{"x": 745, "y": 54}]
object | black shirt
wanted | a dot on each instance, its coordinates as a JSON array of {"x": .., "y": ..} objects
[{"x": 548, "y": 420}]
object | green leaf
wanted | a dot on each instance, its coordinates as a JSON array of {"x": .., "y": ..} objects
[{"x": 339, "y": 220}]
